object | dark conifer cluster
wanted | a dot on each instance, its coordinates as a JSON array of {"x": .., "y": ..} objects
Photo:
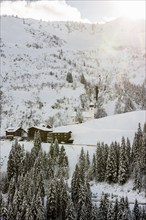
[
  {"x": 119, "y": 162},
  {"x": 36, "y": 187}
]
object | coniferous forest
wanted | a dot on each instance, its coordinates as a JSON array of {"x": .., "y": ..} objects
[{"x": 36, "y": 185}]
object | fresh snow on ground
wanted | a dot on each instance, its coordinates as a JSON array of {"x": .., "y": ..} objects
[
  {"x": 106, "y": 129},
  {"x": 116, "y": 190}
]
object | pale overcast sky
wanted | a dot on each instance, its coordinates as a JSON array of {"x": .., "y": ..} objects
[
  {"x": 107, "y": 9},
  {"x": 85, "y": 11}
]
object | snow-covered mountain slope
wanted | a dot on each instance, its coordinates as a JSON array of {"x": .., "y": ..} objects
[
  {"x": 107, "y": 129},
  {"x": 36, "y": 57}
]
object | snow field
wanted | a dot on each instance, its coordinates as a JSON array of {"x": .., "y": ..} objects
[{"x": 73, "y": 152}]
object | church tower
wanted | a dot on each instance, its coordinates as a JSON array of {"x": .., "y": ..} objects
[{"x": 91, "y": 110}]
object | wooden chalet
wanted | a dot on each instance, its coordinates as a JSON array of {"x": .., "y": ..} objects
[
  {"x": 61, "y": 136},
  {"x": 42, "y": 130},
  {"x": 15, "y": 132}
]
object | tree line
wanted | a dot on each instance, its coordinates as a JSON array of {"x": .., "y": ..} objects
[{"x": 36, "y": 185}]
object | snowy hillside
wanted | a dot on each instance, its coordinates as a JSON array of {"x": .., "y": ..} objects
[
  {"x": 107, "y": 129},
  {"x": 36, "y": 57}
]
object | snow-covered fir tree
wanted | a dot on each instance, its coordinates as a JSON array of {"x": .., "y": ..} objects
[
  {"x": 103, "y": 207},
  {"x": 136, "y": 211},
  {"x": 112, "y": 166},
  {"x": 123, "y": 166},
  {"x": 70, "y": 213},
  {"x": 51, "y": 207},
  {"x": 100, "y": 171},
  {"x": 15, "y": 161}
]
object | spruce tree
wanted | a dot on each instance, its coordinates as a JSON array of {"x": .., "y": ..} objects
[
  {"x": 62, "y": 198},
  {"x": 36, "y": 148},
  {"x": 100, "y": 172},
  {"x": 112, "y": 166},
  {"x": 93, "y": 168},
  {"x": 105, "y": 150},
  {"x": 51, "y": 207},
  {"x": 51, "y": 150},
  {"x": 82, "y": 160},
  {"x": 63, "y": 162},
  {"x": 78, "y": 179},
  {"x": 144, "y": 184},
  {"x": 79, "y": 116},
  {"x": 75, "y": 185},
  {"x": 69, "y": 77},
  {"x": 128, "y": 148},
  {"x": 81, "y": 203},
  {"x": 15, "y": 161},
  {"x": 103, "y": 208},
  {"x": 82, "y": 79},
  {"x": 110, "y": 213},
  {"x": 83, "y": 213},
  {"x": 121, "y": 208},
  {"x": 27, "y": 162},
  {"x": 87, "y": 161},
  {"x": 143, "y": 213},
  {"x": 18, "y": 198},
  {"x": 137, "y": 146},
  {"x": 143, "y": 155},
  {"x": 50, "y": 167},
  {"x": 94, "y": 213},
  {"x": 44, "y": 164},
  {"x": 38, "y": 208},
  {"x": 1, "y": 200},
  {"x": 88, "y": 200},
  {"x": 116, "y": 209},
  {"x": 56, "y": 149},
  {"x": 136, "y": 211},
  {"x": 11, "y": 191},
  {"x": 137, "y": 177},
  {"x": 126, "y": 213},
  {"x": 70, "y": 213},
  {"x": 84, "y": 205},
  {"x": 117, "y": 151},
  {"x": 123, "y": 166}
]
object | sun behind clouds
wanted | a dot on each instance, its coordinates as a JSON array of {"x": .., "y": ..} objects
[{"x": 132, "y": 9}]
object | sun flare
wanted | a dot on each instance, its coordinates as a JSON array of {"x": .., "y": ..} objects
[{"x": 132, "y": 9}]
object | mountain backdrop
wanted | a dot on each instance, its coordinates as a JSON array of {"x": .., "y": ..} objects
[{"x": 50, "y": 69}]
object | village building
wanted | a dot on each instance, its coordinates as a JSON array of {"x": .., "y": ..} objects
[
  {"x": 61, "y": 136},
  {"x": 15, "y": 132},
  {"x": 44, "y": 131},
  {"x": 83, "y": 116},
  {"x": 48, "y": 135}
]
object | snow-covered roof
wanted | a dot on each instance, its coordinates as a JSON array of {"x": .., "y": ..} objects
[
  {"x": 12, "y": 129},
  {"x": 42, "y": 128},
  {"x": 91, "y": 104},
  {"x": 61, "y": 131},
  {"x": 45, "y": 126}
]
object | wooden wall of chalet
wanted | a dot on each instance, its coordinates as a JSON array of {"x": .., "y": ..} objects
[
  {"x": 60, "y": 136},
  {"x": 43, "y": 134},
  {"x": 19, "y": 132},
  {"x": 10, "y": 133}
]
